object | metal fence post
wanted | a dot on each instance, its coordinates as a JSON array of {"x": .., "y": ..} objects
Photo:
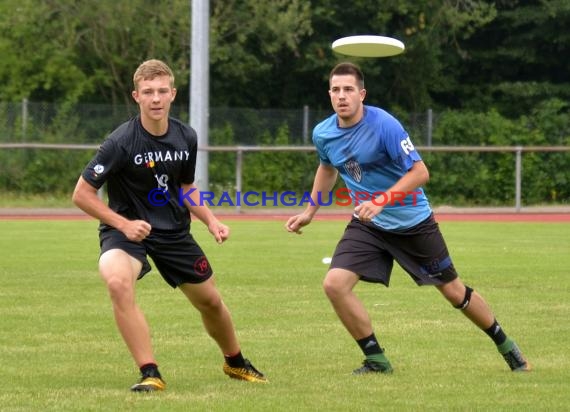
[
  {"x": 24, "y": 119},
  {"x": 239, "y": 167},
  {"x": 518, "y": 177},
  {"x": 305, "y": 124},
  {"x": 429, "y": 126}
]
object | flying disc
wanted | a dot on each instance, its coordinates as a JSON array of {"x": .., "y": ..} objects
[{"x": 368, "y": 46}]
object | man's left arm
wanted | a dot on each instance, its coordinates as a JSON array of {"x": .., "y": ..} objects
[
  {"x": 194, "y": 203},
  {"x": 417, "y": 176}
]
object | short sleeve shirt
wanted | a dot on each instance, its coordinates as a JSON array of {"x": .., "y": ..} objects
[
  {"x": 139, "y": 168},
  {"x": 371, "y": 157}
]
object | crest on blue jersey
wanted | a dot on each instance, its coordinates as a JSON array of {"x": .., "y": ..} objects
[{"x": 352, "y": 167}]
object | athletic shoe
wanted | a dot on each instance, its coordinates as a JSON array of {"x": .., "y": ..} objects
[
  {"x": 516, "y": 360},
  {"x": 245, "y": 373},
  {"x": 149, "y": 384},
  {"x": 369, "y": 366}
]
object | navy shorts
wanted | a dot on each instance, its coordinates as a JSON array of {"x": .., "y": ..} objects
[
  {"x": 177, "y": 256},
  {"x": 369, "y": 251}
]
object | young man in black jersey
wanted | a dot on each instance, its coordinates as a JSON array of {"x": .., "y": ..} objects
[{"x": 148, "y": 164}]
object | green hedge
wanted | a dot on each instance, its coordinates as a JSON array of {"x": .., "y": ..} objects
[
  {"x": 33, "y": 172},
  {"x": 456, "y": 178},
  {"x": 489, "y": 178}
]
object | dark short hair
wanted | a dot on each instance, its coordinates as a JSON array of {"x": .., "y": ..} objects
[{"x": 348, "y": 68}]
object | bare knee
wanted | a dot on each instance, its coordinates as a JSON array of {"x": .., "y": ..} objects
[
  {"x": 117, "y": 287},
  {"x": 204, "y": 297},
  {"x": 210, "y": 304},
  {"x": 330, "y": 287},
  {"x": 119, "y": 270},
  {"x": 338, "y": 283}
]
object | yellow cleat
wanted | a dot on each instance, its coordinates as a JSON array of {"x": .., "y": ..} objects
[
  {"x": 149, "y": 384},
  {"x": 245, "y": 373}
]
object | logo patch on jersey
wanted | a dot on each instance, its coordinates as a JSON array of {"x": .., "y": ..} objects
[
  {"x": 162, "y": 181},
  {"x": 97, "y": 170},
  {"x": 352, "y": 167},
  {"x": 407, "y": 146}
]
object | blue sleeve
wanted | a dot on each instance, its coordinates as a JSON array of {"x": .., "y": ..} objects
[
  {"x": 323, "y": 158},
  {"x": 399, "y": 145}
]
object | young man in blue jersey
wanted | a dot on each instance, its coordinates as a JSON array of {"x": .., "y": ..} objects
[
  {"x": 148, "y": 159},
  {"x": 392, "y": 219}
]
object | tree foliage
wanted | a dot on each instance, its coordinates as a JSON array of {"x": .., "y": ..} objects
[
  {"x": 462, "y": 54},
  {"x": 497, "y": 73},
  {"x": 250, "y": 40},
  {"x": 515, "y": 61}
]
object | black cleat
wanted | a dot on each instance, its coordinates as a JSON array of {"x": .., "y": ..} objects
[
  {"x": 516, "y": 360},
  {"x": 369, "y": 366}
]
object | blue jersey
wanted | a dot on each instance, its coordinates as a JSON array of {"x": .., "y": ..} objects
[{"x": 371, "y": 157}]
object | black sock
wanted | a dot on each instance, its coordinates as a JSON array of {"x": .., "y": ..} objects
[
  {"x": 369, "y": 345},
  {"x": 235, "y": 361},
  {"x": 150, "y": 370},
  {"x": 496, "y": 333}
]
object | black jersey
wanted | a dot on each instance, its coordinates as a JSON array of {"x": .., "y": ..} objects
[{"x": 135, "y": 165}]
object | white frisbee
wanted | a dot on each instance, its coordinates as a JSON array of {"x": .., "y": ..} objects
[{"x": 368, "y": 46}]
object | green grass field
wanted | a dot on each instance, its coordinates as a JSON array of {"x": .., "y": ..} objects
[{"x": 60, "y": 350}]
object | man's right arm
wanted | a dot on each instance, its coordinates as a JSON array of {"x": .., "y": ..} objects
[
  {"x": 85, "y": 197},
  {"x": 324, "y": 181}
]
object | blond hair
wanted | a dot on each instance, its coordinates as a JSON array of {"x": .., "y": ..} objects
[{"x": 150, "y": 69}]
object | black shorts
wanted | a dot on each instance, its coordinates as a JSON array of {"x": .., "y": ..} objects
[
  {"x": 177, "y": 256},
  {"x": 370, "y": 252}
]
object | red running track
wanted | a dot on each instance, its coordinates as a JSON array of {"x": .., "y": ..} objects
[{"x": 441, "y": 217}]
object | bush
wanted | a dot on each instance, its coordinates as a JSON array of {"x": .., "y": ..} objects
[{"x": 461, "y": 179}]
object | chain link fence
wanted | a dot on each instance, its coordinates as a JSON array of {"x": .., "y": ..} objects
[
  {"x": 37, "y": 122},
  {"x": 43, "y": 148}
]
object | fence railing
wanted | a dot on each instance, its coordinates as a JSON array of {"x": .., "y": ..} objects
[
  {"x": 517, "y": 150},
  {"x": 240, "y": 150}
]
